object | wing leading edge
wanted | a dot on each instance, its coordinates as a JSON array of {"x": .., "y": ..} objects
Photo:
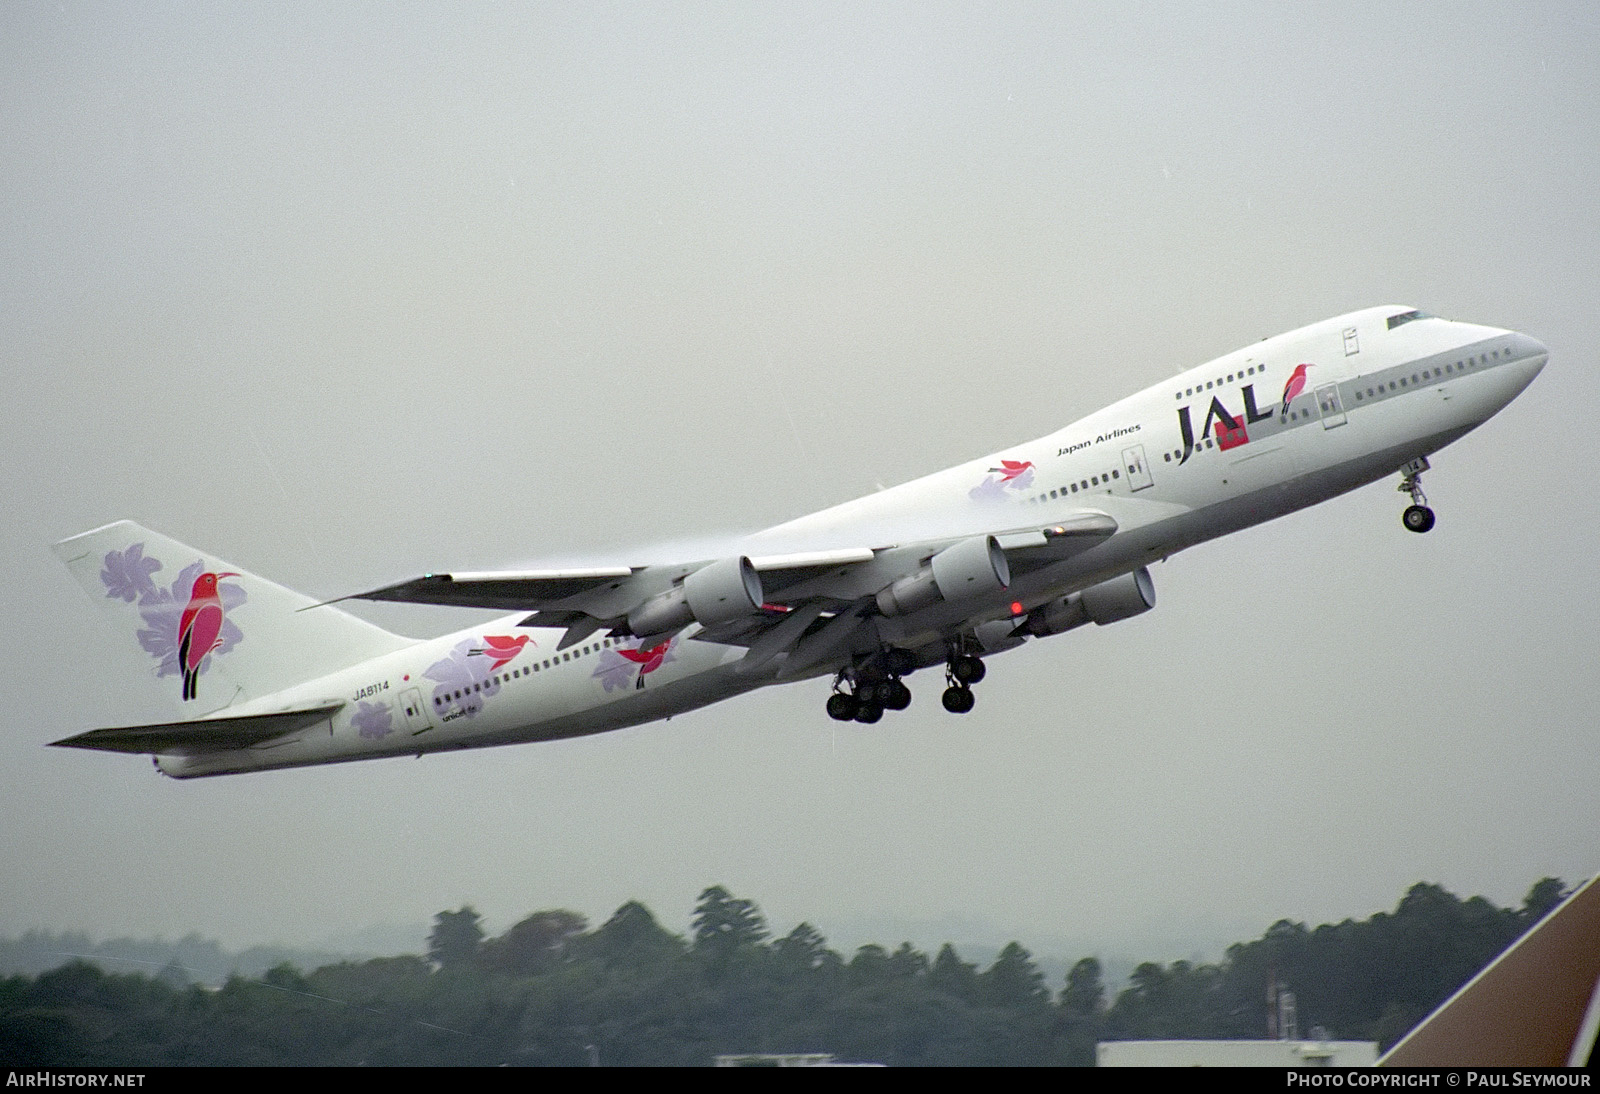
[{"x": 787, "y": 580}]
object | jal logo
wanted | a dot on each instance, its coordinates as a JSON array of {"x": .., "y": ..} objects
[{"x": 1232, "y": 430}]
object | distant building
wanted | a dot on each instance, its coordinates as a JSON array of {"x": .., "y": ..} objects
[
  {"x": 784, "y": 1059},
  {"x": 1236, "y": 1053}
]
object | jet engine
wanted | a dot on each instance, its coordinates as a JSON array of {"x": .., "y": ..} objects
[
  {"x": 719, "y": 593},
  {"x": 965, "y": 570},
  {"x": 1107, "y": 602}
]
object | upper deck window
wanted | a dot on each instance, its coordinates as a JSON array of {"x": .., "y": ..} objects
[{"x": 1407, "y": 316}]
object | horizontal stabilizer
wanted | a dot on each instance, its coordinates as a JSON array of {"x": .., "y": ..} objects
[{"x": 196, "y": 738}]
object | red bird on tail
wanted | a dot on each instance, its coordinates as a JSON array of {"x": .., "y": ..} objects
[{"x": 199, "y": 629}]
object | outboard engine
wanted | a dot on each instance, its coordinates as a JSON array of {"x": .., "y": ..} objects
[{"x": 1108, "y": 602}]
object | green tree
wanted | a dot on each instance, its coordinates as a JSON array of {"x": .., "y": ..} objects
[
  {"x": 725, "y": 925},
  {"x": 456, "y": 938},
  {"x": 1013, "y": 979},
  {"x": 534, "y": 945},
  {"x": 952, "y": 976},
  {"x": 1541, "y": 900},
  {"x": 633, "y": 939}
]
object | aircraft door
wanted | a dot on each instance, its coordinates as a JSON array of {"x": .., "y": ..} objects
[
  {"x": 415, "y": 712},
  {"x": 1138, "y": 469},
  {"x": 1329, "y": 407}
]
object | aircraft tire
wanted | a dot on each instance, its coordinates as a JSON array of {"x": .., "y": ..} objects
[
  {"x": 898, "y": 696},
  {"x": 1417, "y": 518},
  {"x": 957, "y": 699},
  {"x": 842, "y": 707},
  {"x": 869, "y": 713},
  {"x": 968, "y": 669}
]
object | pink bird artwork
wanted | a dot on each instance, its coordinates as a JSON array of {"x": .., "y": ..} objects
[
  {"x": 1296, "y": 384},
  {"x": 199, "y": 629},
  {"x": 648, "y": 660},
  {"x": 501, "y": 647},
  {"x": 1010, "y": 469}
]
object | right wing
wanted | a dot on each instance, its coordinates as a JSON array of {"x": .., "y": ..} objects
[{"x": 805, "y": 604}]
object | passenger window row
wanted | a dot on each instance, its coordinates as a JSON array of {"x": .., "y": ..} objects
[
  {"x": 1081, "y": 486},
  {"x": 517, "y": 674}
]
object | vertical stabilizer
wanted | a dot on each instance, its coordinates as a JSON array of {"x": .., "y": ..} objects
[
  {"x": 215, "y": 635},
  {"x": 1536, "y": 1005}
]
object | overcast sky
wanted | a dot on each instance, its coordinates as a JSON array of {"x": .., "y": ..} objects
[{"x": 346, "y": 293}]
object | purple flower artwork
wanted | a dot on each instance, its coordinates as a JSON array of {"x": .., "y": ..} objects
[
  {"x": 464, "y": 681},
  {"x": 129, "y": 575},
  {"x": 374, "y": 721},
  {"x": 1010, "y": 476}
]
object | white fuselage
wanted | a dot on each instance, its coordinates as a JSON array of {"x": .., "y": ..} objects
[{"x": 1208, "y": 452}]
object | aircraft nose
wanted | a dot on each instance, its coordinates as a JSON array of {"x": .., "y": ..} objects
[{"x": 1530, "y": 350}]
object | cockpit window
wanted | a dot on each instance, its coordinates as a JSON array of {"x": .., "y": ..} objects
[{"x": 1407, "y": 316}]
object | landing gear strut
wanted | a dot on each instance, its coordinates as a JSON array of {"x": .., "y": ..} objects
[{"x": 1417, "y": 517}]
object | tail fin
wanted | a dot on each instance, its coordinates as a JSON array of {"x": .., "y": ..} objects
[{"x": 216, "y": 635}]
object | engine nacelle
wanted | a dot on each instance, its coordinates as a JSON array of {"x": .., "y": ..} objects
[
  {"x": 1121, "y": 597},
  {"x": 964, "y": 571},
  {"x": 1107, "y": 602},
  {"x": 997, "y": 636},
  {"x": 719, "y": 593}
]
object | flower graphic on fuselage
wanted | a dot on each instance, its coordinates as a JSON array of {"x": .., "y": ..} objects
[
  {"x": 465, "y": 678},
  {"x": 1010, "y": 475},
  {"x": 374, "y": 721}
]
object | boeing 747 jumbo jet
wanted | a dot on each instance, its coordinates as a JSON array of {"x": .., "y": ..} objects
[{"x": 943, "y": 571}]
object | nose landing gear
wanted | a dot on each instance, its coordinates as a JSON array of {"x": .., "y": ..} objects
[{"x": 1417, "y": 517}]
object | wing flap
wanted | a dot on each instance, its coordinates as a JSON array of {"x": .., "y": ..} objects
[{"x": 195, "y": 738}]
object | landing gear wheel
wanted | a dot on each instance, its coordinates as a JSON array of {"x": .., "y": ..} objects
[
  {"x": 842, "y": 707},
  {"x": 958, "y": 699},
  {"x": 868, "y": 713},
  {"x": 968, "y": 669},
  {"x": 1417, "y": 518},
  {"x": 897, "y": 696}
]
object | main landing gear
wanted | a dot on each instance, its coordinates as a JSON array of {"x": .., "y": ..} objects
[
  {"x": 862, "y": 693},
  {"x": 1417, "y": 517},
  {"x": 960, "y": 673},
  {"x": 866, "y": 702}
]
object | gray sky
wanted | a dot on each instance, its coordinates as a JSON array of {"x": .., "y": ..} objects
[{"x": 347, "y": 295}]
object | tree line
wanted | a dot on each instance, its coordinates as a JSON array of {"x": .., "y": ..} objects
[{"x": 552, "y": 990}]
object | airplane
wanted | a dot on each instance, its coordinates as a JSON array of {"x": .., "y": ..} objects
[{"x": 938, "y": 572}]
